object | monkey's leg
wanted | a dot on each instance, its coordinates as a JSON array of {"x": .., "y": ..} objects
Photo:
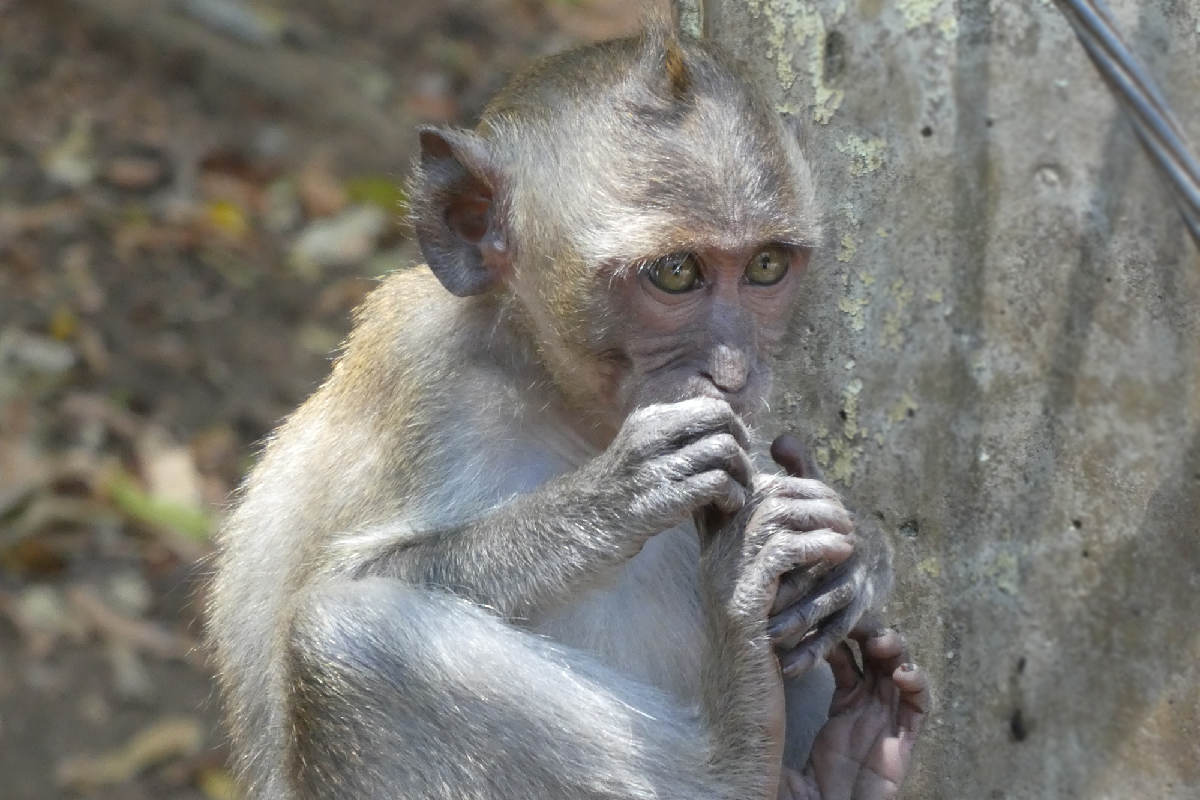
[
  {"x": 401, "y": 692},
  {"x": 807, "y": 700},
  {"x": 877, "y": 712}
]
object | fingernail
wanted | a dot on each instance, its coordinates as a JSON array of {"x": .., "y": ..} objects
[
  {"x": 907, "y": 666},
  {"x": 800, "y": 665}
]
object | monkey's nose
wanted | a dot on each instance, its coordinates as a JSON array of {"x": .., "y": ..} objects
[{"x": 728, "y": 368}]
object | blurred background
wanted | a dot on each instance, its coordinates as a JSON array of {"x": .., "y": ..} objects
[
  {"x": 999, "y": 358},
  {"x": 193, "y": 196}
]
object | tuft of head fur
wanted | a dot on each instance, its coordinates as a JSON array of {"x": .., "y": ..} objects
[{"x": 677, "y": 72}]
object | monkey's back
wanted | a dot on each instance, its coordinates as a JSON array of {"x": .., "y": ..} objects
[{"x": 366, "y": 460}]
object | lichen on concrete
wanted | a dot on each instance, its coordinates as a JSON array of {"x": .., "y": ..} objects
[
  {"x": 866, "y": 155},
  {"x": 902, "y": 409},
  {"x": 853, "y": 307},
  {"x": 797, "y": 26},
  {"x": 894, "y": 320},
  {"x": 1028, "y": 352},
  {"x": 848, "y": 248},
  {"x": 917, "y": 12}
]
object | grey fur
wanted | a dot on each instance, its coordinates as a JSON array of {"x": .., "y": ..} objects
[{"x": 436, "y": 584}]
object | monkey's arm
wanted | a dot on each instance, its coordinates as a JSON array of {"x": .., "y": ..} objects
[
  {"x": 391, "y": 684},
  {"x": 666, "y": 461},
  {"x": 404, "y": 690}
]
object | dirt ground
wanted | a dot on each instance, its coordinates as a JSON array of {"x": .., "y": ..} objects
[{"x": 191, "y": 203}]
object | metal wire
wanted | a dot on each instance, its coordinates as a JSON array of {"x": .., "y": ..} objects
[{"x": 1156, "y": 125}]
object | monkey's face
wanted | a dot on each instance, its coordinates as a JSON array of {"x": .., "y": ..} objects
[
  {"x": 646, "y": 210},
  {"x": 707, "y": 321}
]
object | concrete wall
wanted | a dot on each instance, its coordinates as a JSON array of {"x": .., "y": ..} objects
[{"x": 1002, "y": 362}]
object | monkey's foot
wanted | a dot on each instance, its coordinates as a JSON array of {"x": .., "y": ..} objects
[{"x": 863, "y": 751}]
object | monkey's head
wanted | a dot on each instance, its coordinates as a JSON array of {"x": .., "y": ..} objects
[{"x": 641, "y": 210}]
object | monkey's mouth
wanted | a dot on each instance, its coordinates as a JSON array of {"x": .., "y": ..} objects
[{"x": 702, "y": 385}]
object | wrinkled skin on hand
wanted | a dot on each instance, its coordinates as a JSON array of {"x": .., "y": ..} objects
[
  {"x": 817, "y": 606},
  {"x": 863, "y": 751},
  {"x": 801, "y": 564}
]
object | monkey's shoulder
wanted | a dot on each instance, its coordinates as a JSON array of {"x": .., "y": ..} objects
[
  {"x": 416, "y": 406},
  {"x": 416, "y": 354}
]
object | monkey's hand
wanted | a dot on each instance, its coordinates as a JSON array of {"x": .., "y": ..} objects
[
  {"x": 668, "y": 461},
  {"x": 742, "y": 559},
  {"x": 817, "y": 607},
  {"x": 788, "y": 526},
  {"x": 863, "y": 751},
  {"x": 665, "y": 462}
]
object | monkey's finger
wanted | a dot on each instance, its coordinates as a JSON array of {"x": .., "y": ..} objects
[
  {"x": 800, "y": 582},
  {"x": 785, "y": 550},
  {"x": 883, "y": 652},
  {"x": 846, "y": 674},
  {"x": 869, "y": 625},
  {"x": 719, "y": 451},
  {"x": 805, "y": 515},
  {"x": 741, "y": 467},
  {"x": 718, "y": 488},
  {"x": 793, "y": 623},
  {"x": 689, "y": 420},
  {"x": 800, "y": 489},
  {"x": 915, "y": 700},
  {"x": 797, "y": 583},
  {"x": 665, "y": 427},
  {"x": 816, "y": 645},
  {"x": 796, "y": 459}
]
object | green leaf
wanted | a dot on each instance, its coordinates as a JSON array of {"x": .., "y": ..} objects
[
  {"x": 379, "y": 191},
  {"x": 134, "y": 501}
]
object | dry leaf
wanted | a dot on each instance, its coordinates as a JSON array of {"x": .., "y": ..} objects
[
  {"x": 321, "y": 193},
  {"x": 140, "y": 634},
  {"x": 170, "y": 472},
  {"x": 165, "y": 740}
]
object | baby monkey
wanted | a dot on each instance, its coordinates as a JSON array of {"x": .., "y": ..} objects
[{"x": 517, "y": 546}]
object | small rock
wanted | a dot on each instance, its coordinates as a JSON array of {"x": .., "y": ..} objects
[
  {"x": 95, "y": 709},
  {"x": 42, "y": 609},
  {"x": 216, "y": 452},
  {"x": 272, "y": 141},
  {"x": 376, "y": 86},
  {"x": 77, "y": 264},
  {"x": 247, "y": 23},
  {"x": 44, "y": 678},
  {"x": 343, "y": 241},
  {"x": 434, "y": 99},
  {"x": 128, "y": 593},
  {"x": 93, "y": 349},
  {"x": 218, "y": 784},
  {"x": 70, "y": 161},
  {"x": 303, "y": 33},
  {"x": 282, "y": 212},
  {"x": 317, "y": 339},
  {"x": 131, "y": 680},
  {"x": 135, "y": 173},
  {"x": 39, "y": 354}
]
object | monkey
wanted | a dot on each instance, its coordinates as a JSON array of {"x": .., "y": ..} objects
[{"x": 523, "y": 542}]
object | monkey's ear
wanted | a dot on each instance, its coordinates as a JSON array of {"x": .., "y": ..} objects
[{"x": 454, "y": 209}]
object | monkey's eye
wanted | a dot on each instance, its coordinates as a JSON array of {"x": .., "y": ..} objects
[
  {"x": 674, "y": 274},
  {"x": 768, "y": 266}
]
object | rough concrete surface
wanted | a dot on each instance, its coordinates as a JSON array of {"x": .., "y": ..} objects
[{"x": 1001, "y": 361}]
